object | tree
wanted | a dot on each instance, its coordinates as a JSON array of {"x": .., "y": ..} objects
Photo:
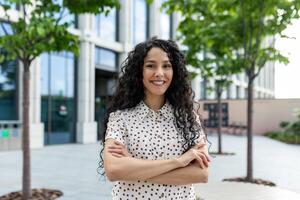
[
  {"x": 209, "y": 47},
  {"x": 40, "y": 28},
  {"x": 248, "y": 24},
  {"x": 260, "y": 21}
]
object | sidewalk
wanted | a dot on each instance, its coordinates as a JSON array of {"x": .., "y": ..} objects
[
  {"x": 72, "y": 169},
  {"x": 243, "y": 191}
]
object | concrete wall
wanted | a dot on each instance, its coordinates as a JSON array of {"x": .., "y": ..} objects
[{"x": 267, "y": 113}]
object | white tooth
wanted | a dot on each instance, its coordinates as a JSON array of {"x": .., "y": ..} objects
[{"x": 158, "y": 82}]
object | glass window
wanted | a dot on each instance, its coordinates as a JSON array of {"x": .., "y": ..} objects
[
  {"x": 228, "y": 92},
  {"x": 8, "y": 84},
  {"x": 106, "y": 26},
  {"x": 203, "y": 89},
  {"x": 13, "y": 5},
  {"x": 58, "y": 98},
  {"x": 165, "y": 24},
  {"x": 6, "y": 27},
  {"x": 237, "y": 92},
  {"x": 8, "y": 89},
  {"x": 245, "y": 76},
  {"x": 139, "y": 21},
  {"x": 105, "y": 59},
  {"x": 67, "y": 17},
  {"x": 58, "y": 77}
]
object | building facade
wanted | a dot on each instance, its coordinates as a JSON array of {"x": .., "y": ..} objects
[{"x": 68, "y": 94}]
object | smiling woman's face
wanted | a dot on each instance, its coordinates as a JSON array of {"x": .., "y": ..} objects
[{"x": 157, "y": 72}]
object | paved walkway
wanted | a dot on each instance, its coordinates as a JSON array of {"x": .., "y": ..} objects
[
  {"x": 243, "y": 191},
  {"x": 72, "y": 169}
]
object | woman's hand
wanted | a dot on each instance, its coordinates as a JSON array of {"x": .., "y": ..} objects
[
  {"x": 118, "y": 150},
  {"x": 197, "y": 153}
]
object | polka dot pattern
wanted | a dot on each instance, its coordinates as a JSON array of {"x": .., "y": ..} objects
[{"x": 148, "y": 135}]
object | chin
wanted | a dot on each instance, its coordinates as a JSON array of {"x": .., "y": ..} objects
[{"x": 160, "y": 93}]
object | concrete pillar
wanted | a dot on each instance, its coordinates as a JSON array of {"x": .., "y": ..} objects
[
  {"x": 233, "y": 91},
  {"x": 154, "y": 20},
  {"x": 36, "y": 133},
  {"x": 125, "y": 29},
  {"x": 36, "y": 127},
  {"x": 86, "y": 126},
  {"x": 196, "y": 87}
]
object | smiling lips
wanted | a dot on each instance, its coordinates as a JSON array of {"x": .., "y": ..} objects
[{"x": 158, "y": 82}]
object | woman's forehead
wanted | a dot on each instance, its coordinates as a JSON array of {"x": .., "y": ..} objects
[{"x": 155, "y": 54}]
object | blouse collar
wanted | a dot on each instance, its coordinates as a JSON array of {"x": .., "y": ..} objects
[{"x": 166, "y": 110}]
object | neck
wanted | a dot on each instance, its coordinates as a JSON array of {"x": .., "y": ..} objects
[{"x": 155, "y": 102}]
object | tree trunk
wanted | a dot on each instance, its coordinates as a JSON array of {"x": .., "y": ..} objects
[
  {"x": 249, "y": 127},
  {"x": 219, "y": 93},
  {"x": 26, "y": 139}
]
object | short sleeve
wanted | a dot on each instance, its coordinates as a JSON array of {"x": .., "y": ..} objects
[
  {"x": 116, "y": 127},
  {"x": 202, "y": 136}
]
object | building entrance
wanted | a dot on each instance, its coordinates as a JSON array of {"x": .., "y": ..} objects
[
  {"x": 104, "y": 89},
  {"x": 58, "y": 98}
]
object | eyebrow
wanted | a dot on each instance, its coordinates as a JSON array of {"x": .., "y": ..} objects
[{"x": 153, "y": 61}]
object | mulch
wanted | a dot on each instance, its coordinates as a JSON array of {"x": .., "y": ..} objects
[
  {"x": 254, "y": 181},
  {"x": 37, "y": 194}
]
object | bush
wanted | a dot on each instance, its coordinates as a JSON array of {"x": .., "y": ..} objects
[
  {"x": 290, "y": 138},
  {"x": 284, "y": 124},
  {"x": 290, "y": 133}
]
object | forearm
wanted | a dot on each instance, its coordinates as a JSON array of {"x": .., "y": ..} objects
[
  {"x": 132, "y": 169},
  {"x": 182, "y": 176}
]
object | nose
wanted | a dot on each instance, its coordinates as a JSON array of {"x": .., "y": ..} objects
[{"x": 159, "y": 72}]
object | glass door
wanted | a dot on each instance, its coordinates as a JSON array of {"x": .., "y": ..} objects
[{"x": 58, "y": 101}]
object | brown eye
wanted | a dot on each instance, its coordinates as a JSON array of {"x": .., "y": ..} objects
[{"x": 167, "y": 66}]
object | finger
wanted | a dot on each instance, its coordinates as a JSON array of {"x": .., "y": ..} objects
[
  {"x": 118, "y": 143},
  {"x": 199, "y": 156},
  {"x": 200, "y": 161},
  {"x": 116, "y": 155},
  {"x": 207, "y": 157},
  {"x": 200, "y": 145},
  {"x": 205, "y": 161},
  {"x": 205, "y": 153},
  {"x": 115, "y": 147},
  {"x": 119, "y": 151}
]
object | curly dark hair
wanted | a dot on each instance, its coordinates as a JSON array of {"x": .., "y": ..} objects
[{"x": 130, "y": 89}]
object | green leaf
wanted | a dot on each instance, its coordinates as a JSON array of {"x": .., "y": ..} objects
[
  {"x": 91, "y": 6},
  {"x": 41, "y": 31}
]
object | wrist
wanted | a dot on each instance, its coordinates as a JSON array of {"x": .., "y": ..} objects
[{"x": 178, "y": 162}]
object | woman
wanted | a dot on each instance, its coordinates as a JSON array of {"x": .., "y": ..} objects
[{"x": 154, "y": 144}]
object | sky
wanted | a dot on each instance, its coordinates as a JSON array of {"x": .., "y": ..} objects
[{"x": 287, "y": 77}]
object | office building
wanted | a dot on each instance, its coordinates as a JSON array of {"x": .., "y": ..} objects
[{"x": 68, "y": 94}]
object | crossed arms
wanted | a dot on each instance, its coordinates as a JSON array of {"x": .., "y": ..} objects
[{"x": 190, "y": 167}]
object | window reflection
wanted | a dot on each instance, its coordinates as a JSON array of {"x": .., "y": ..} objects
[
  {"x": 105, "y": 59},
  {"x": 5, "y": 27},
  {"x": 165, "y": 24},
  {"x": 58, "y": 99},
  {"x": 139, "y": 21},
  {"x": 66, "y": 16},
  {"x": 8, "y": 84},
  {"x": 106, "y": 26},
  {"x": 58, "y": 74},
  {"x": 8, "y": 92},
  {"x": 13, "y": 5},
  {"x": 203, "y": 85}
]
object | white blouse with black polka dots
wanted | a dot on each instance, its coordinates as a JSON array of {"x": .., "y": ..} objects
[{"x": 148, "y": 135}]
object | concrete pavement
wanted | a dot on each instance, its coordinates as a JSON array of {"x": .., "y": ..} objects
[{"x": 72, "y": 169}]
